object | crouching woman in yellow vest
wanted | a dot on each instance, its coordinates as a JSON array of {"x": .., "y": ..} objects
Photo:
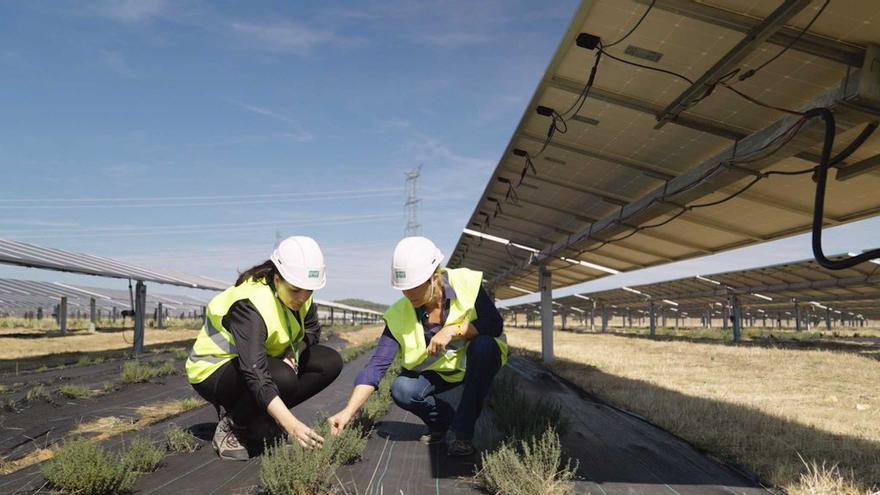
[
  {"x": 449, "y": 333},
  {"x": 257, "y": 354}
]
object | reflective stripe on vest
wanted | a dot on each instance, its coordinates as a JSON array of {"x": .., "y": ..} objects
[
  {"x": 215, "y": 345},
  {"x": 409, "y": 333},
  {"x": 218, "y": 339}
]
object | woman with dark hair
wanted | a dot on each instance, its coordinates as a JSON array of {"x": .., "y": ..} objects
[{"x": 257, "y": 355}]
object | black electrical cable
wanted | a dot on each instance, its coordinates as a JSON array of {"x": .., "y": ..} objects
[
  {"x": 819, "y": 204},
  {"x": 783, "y": 138},
  {"x": 656, "y": 69},
  {"x": 746, "y": 97},
  {"x": 751, "y": 72},
  {"x": 631, "y": 31}
]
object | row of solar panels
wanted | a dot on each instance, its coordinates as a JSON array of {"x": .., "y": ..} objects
[
  {"x": 20, "y": 296},
  {"x": 772, "y": 290}
]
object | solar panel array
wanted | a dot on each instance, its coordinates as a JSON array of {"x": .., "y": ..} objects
[
  {"x": 615, "y": 193},
  {"x": 771, "y": 291},
  {"x": 33, "y": 256}
]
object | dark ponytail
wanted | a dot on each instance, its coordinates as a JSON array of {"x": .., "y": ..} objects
[{"x": 264, "y": 272}]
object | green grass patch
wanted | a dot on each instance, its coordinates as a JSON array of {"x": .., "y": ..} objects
[
  {"x": 75, "y": 392},
  {"x": 350, "y": 353},
  {"x": 518, "y": 417},
  {"x": 87, "y": 360},
  {"x": 179, "y": 440},
  {"x": 142, "y": 455},
  {"x": 138, "y": 372},
  {"x": 37, "y": 392},
  {"x": 527, "y": 467},
  {"x": 84, "y": 468}
]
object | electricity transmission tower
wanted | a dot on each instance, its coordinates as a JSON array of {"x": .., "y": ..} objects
[{"x": 413, "y": 227}]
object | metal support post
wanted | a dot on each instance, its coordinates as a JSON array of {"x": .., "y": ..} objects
[
  {"x": 160, "y": 316},
  {"x": 797, "y": 316},
  {"x": 604, "y": 319},
  {"x": 140, "y": 307},
  {"x": 828, "y": 319},
  {"x": 653, "y": 319},
  {"x": 546, "y": 288},
  {"x": 62, "y": 314},
  {"x": 737, "y": 319},
  {"x": 592, "y": 316},
  {"x": 93, "y": 317}
]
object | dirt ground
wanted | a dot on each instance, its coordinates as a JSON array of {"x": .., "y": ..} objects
[{"x": 761, "y": 406}]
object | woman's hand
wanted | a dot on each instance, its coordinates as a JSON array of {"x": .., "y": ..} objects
[
  {"x": 306, "y": 436},
  {"x": 339, "y": 421},
  {"x": 442, "y": 339}
]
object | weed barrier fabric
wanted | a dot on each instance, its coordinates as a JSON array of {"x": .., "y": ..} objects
[{"x": 620, "y": 453}]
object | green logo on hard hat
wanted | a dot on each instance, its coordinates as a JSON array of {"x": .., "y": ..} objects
[
  {"x": 314, "y": 273},
  {"x": 400, "y": 274}
]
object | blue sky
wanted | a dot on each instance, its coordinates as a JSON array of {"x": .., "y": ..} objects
[{"x": 187, "y": 135}]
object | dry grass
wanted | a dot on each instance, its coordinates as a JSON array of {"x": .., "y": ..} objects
[
  {"x": 357, "y": 337},
  {"x": 761, "y": 407},
  {"x": 15, "y": 348}
]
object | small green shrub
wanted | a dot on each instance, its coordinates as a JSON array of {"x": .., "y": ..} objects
[
  {"x": 37, "y": 392},
  {"x": 142, "y": 455},
  {"x": 378, "y": 404},
  {"x": 84, "y": 468},
  {"x": 347, "y": 446},
  {"x": 290, "y": 469},
  {"x": 181, "y": 354},
  {"x": 179, "y": 440},
  {"x": 41, "y": 369},
  {"x": 533, "y": 467},
  {"x": 9, "y": 405},
  {"x": 74, "y": 392},
  {"x": 520, "y": 418}
]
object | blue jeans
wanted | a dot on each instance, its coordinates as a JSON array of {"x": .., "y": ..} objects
[{"x": 416, "y": 392}]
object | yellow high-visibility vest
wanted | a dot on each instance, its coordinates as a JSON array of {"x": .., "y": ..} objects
[
  {"x": 409, "y": 333},
  {"x": 215, "y": 345}
]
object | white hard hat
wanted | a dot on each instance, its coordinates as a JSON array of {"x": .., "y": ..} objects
[
  {"x": 300, "y": 262},
  {"x": 415, "y": 259}
]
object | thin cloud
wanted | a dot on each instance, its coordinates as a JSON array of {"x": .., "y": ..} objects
[
  {"x": 298, "y": 134},
  {"x": 284, "y": 37},
  {"x": 132, "y": 11},
  {"x": 452, "y": 39}
]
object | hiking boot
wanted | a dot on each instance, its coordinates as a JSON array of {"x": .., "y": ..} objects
[
  {"x": 433, "y": 437},
  {"x": 460, "y": 448},
  {"x": 228, "y": 441}
]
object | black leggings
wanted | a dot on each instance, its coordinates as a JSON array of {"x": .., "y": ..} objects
[{"x": 318, "y": 367}]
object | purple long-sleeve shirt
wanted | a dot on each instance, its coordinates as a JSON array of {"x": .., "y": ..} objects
[{"x": 488, "y": 322}]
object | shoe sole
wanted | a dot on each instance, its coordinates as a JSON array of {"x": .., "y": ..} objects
[{"x": 236, "y": 457}]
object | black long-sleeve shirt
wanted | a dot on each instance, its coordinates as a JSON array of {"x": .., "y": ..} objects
[{"x": 250, "y": 333}]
